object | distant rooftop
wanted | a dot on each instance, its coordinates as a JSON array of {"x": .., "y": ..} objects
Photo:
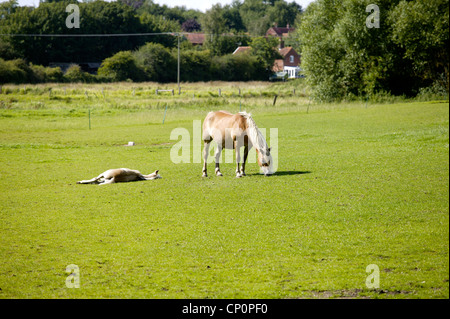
[{"x": 241, "y": 50}]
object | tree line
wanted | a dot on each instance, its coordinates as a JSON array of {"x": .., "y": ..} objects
[
  {"x": 343, "y": 57},
  {"x": 138, "y": 58},
  {"x": 126, "y": 17}
]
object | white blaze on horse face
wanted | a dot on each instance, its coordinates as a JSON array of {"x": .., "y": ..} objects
[
  {"x": 265, "y": 161},
  {"x": 268, "y": 156}
]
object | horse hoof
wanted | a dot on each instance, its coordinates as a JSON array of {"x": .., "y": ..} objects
[
  {"x": 238, "y": 175},
  {"x": 204, "y": 175}
]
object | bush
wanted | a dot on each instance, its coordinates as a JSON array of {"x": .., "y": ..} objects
[
  {"x": 240, "y": 67},
  {"x": 15, "y": 71},
  {"x": 75, "y": 74},
  {"x": 121, "y": 67},
  {"x": 46, "y": 74},
  {"x": 436, "y": 91},
  {"x": 194, "y": 65},
  {"x": 156, "y": 62}
]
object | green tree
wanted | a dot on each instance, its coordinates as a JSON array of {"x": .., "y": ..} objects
[
  {"x": 194, "y": 65},
  {"x": 213, "y": 21},
  {"x": 265, "y": 50},
  {"x": 75, "y": 74},
  {"x": 421, "y": 28},
  {"x": 240, "y": 67},
  {"x": 343, "y": 57},
  {"x": 255, "y": 17},
  {"x": 7, "y": 8},
  {"x": 96, "y": 17},
  {"x": 214, "y": 24},
  {"x": 283, "y": 13},
  {"x": 15, "y": 71},
  {"x": 121, "y": 67},
  {"x": 233, "y": 17},
  {"x": 157, "y": 62}
]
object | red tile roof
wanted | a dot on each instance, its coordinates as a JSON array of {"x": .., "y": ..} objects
[
  {"x": 280, "y": 31},
  {"x": 284, "y": 51},
  {"x": 196, "y": 38}
]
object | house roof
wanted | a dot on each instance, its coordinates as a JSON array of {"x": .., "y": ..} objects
[
  {"x": 279, "y": 64},
  {"x": 241, "y": 50},
  {"x": 196, "y": 38},
  {"x": 280, "y": 31},
  {"x": 286, "y": 50}
]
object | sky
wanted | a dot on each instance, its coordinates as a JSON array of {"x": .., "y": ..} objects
[{"x": 202, "y": 5}]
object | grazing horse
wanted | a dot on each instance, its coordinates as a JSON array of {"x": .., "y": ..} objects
[
  {"x": 234, "y": 131},
  {"x": 120, "y": 175}
]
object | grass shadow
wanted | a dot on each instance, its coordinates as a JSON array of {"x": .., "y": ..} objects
[{"x": 284, "y": 173}]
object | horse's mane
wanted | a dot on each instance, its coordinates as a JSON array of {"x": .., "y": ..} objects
[{"x": 255, "y": 135}]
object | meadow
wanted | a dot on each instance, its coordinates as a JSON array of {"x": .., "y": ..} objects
[{"x": 358, "y": 184}]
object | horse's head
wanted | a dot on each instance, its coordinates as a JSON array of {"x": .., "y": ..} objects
[
  {"x": 265, "y": 161},
  {"x": 153, "y": 175}
]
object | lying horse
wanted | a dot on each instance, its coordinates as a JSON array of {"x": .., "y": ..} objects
[
  {"x": 234, "y": 131},
  {"x": 119, "y": 175}
]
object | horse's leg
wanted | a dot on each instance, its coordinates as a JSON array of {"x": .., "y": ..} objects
[
  {"x": 95, "y": 180},
  {"x": 238, "y": 158},
  {"x": 108, "y": 181},
  {"x": 245, "y": 159},
  {"x": 205, "y": 157},
  {"x": 217, "y": 155}
]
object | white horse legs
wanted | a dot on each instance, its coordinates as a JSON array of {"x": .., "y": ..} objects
[
  {"x": 239, "y": 171},
  {"x": 217, "y": 158},
  {"x": 205, "y": 157},
  {"x": 238, "y": 159},
  {"x": 242, "y": 171}
]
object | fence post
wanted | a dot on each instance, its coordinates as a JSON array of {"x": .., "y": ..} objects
[
  {"x": 164, "y": 118},
  {"x": 275, "y": 99}
]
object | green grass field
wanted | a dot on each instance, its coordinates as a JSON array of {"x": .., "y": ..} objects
[{"x": 356, "y": 185}]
